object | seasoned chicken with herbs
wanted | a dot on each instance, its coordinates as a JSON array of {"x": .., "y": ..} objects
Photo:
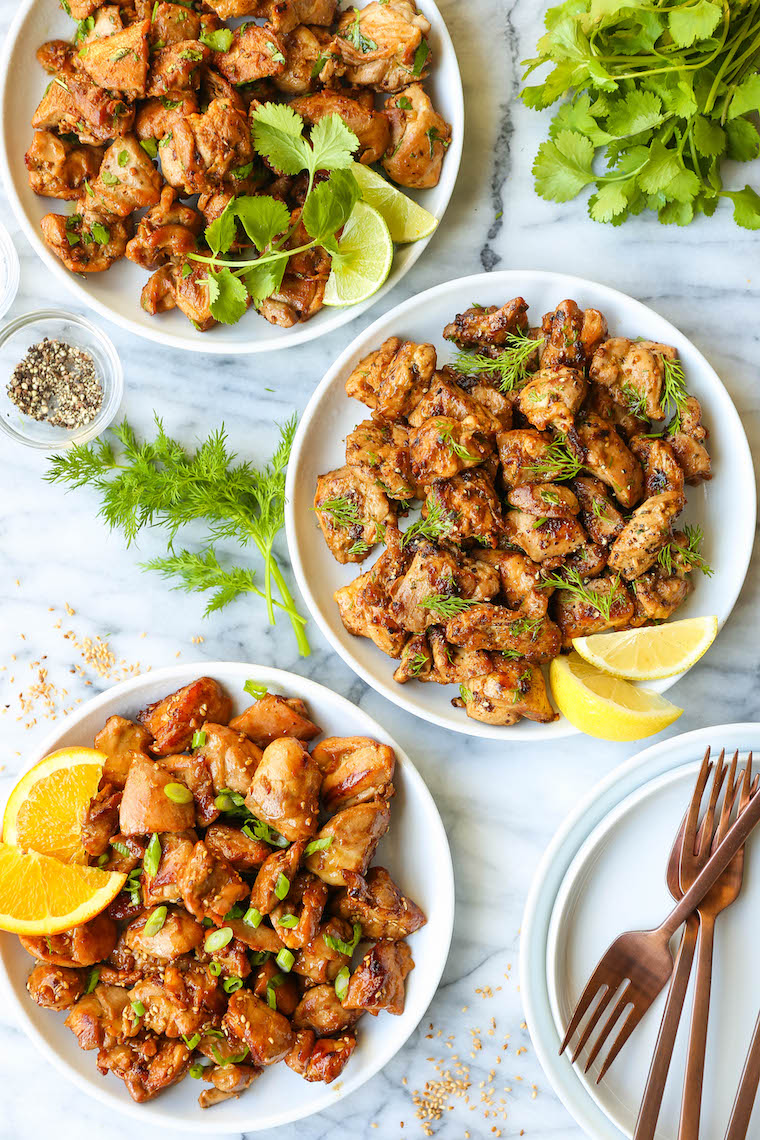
[
  {"x": 532, "y": 494},
  {"x": 244, "y": 936}
]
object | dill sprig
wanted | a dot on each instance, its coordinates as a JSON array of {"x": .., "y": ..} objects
[
  {"x": 689, "y": 553},
  {"x": 674, "y": 394},
  {"x": 436, "y": 524},
  {"x": 417, "y": 664},
  {"x": 558, "y": 462},
  {"x": 510, "y": 367},
  {"x": 574, "y": 584},
  {"x": 343, "y": 511},
  {"x": 636, "y": 401},
  {"x": 159, "y": 483},
  {"x": 446, "y": 436},
  {"x": 446, "y": 605}
]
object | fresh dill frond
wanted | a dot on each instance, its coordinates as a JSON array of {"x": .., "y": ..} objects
[
  {"x": 574, "y": 584},
  {"x": 689, "y": 553},
  {"x": 510, "y": 367},
  {"x": 635, "y": 401},
  {"x": 600, "y": 509},
  {"x": 198, "y": 573},
  {"x": 342, "y": 510},
  {"x": 558, "y": 462},
  {"x": 446, "y": 605},
  {"x": 525, "y": 625},
  {"x": 446, "y": 436},
  {"x": 674, "y": 394},
  {"x": 549, "y": 496},
  {"x": 436, "y": 524},
  {"x": 358, "y": 547},
  {"x": 418, "y": 663}
]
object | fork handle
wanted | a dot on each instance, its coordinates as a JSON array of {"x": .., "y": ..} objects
[
  {"x": 741, "y": 1112},
  {"x": 649, "y": 1112},
  {"x": 691, "y": 1102}
]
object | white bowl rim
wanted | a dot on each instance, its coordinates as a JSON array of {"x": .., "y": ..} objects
[
  {"x": 510, "y": 278},
  {"x": 302, "y": 333},
  {"x": 174, "y": 675}
]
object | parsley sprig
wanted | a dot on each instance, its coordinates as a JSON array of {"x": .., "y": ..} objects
[{"x": 510, "y": 367}]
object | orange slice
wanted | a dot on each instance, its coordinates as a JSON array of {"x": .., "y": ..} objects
[
  {"x": 45, "y": 809},
  {"x": 40, "y": 895}
]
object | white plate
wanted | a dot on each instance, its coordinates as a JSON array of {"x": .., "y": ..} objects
[
  {"x": 604, "y": 873},
  {"x": 724, "y": 507},
  {"x": 415, "y": 851},
  {"x": 116, "y": 294}
]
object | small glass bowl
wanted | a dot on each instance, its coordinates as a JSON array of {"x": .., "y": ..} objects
[
  {"x": 9, "y": 271},
  {"x": 15, "y": 341}
]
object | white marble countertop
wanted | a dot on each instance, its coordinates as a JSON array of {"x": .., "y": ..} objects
[{"x": 500, "y": 802}]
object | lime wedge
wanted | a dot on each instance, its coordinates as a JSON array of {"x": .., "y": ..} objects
[
  {"x": 363, "y": 260},
  {"x": 406, "y": 220}
]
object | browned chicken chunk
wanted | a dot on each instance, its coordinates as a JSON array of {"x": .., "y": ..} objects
[
  {"x": 284, "y": 791},
  {"x": 173, "y": 721},
  {"x": 389, "y": 36},
  {"x": 58, "y": 168},
  {"x": 441, "y": 447},
  {"x": 543, "y": 538},
  {"x": 273, "y": 716},
  {"x": 354, "y": 769},
  {"x": 352, "y": 511},
  {"x": 376, "y": 903},
  {"x": 240, "y": 851},
  {"x": 607, "y": 457},
  {"x": 81, "y": 946},
  {"x": 355, "y": 833},
  {"x": 688, "y": 442},
  {"x": 419, "y": 139},
  {"x": 210, "y": 885},
  {"x": 662, "y": 471},
  {"x": 551, "y": 398},
  {"x": 633, "y": 371},
  {"x": 320, "y": 1009},
  {"x": 607, "y": 604},
  {"x": 255, "y": 53},
  {"x": 649, "y": 528},
  {"x": 275, "y": 877},
  {"x": 600, "y": 518},
  {"x": 145, "y": 806},
  {"x": 56, "y": 987},
  {"x": 383, "y": 446},
  {"x": 266, "y": 1032},
  {"x": 378, "y": 982},
  {"x": 177, "y": 935},
  {"x": 469, "y": 507},
  {"x": 166, "y": 233},
  {"x": 119, "y": 62},
  {"x": 517, "y": 689},
  {"x": 492, "y": 627},
  {"x": 120, "y": 740},
  {"x": 370, "y": 126}
]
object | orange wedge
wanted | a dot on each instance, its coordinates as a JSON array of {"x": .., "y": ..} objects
[
  {"x": 45, "y": 809},
  {"x": 40, "y": 895}
]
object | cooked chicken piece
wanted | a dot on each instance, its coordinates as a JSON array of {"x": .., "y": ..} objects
[
  {"x": 496, "y": 628},
  {"x": 320, "y": 1009},
  {"x": 649, "y": 528},
  {"x": 164, "y": 885},
  {"x": 145, "y": 807},
  {"x": 272, "y": 716},
  {"x": 661, "y": 468},
  {"x": 634, "y": 372},
  {"x": 172, "y": 22},
  {"x": 191, "y": 769},
  {"x": 355, "y": 833},
  {"x": 174, "y": 720},
  {"x": 255, "y": 53},
  {"x": 164, "y": 1012},
  {"x": 469, "y": 507},
  {"x": 284, "y": 791},
  {"x": 452, "y": 665},
  {"x": 416, "y": 663},
  {"x": 589, "y": 560},
  {"x": 56, "y": 987},
  {"x": 106, "y": 21},
  {"x": 86, "y": 242},
  {"x": 322, "y": 1060},
  {"x": 146, "y": 1067},
  {"x": 127, "y": 179},
  {"x": 625, "y": 420},
  {"x": 266, "y": 1032},
  {"x": 485, "y": 582},
  {"x": 404, "y": 380},
  {"x": 543, "y": 538},
  {"x": 261, "y": 939},
  {"x": 120, "y": 739},
  {"x": 432, "y": 573},
  {"x": 448, "y": 399},
  {"x": 548, "y": 500},
  {"x": 418, "y": 141},
  {"x": 364, "y": 607},
  {"x": 231, "y": 757},
  {"x": 276, "y": 874},
  {"x": 176, "y": 70},
  {"x": 302, "y": 290},
  {"x": 166, "y": 234},
  {"x": 365, "y": 379},
  {"x": 526, "y": 456},
  {"x": 442, "y": 447},
  {"x": 352, "y": 511},
  {"x": 379, "y": 906},
  {"x": 228, "y": 1081},
  {"x": 658, "y": 595},
  {"x": 489, "y": 326},
  {"x": 59, "y": 169},
  {"x": 81, "y": 946},
  {"x": 370, "y": 126},
  {"x": 56, "y": 56},
  {"x": 377, "y": 983},
  {"x": 384, "y": 446},
  {"x": 607, "y": 457},
  {"x": 240, "y": 851},
  {"x": 577, "y": 616},
  {"x": 570, "y": 336},
  {"x": 172, "y": 287},
  {"x": 517, "y": 689},
  {"x": 156, "y": 118},
  {"x": 96, "y": 1019},
  {"x": 101, "y": 820},
  {"x": 73, "y": 104},
  {"x": 304, "y": 48},
  {"x": 520, "y": 580},
  {"x": 179, "y": 934},
  {"x": 551, "y": 398},
  {"x": 379, "y": 45},
  {"x": 306, "y": 901},
  {"x": 205, "y": 149},
  {"x": 210, "y": 885},
  {"x": 271, "y": 983},
  {"x": 599, "y": 517},
  {"x": 688, "y": 443},
  {"x": 125, "y": 860},
  {"x": 487, "y": 392},
  {"x": 284, "y": 15},
  {"x": 322, "y": 960},
  {"x": 354, "y": 769},
  {"x": 119, "y": 63}
]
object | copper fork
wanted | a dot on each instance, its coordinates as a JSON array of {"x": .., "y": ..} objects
[{"x": 640, "y": 961}]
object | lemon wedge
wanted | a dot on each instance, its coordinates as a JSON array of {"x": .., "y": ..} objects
[
  {"x": 651, "y": 653},
  {"x": 604, "y": 706}
]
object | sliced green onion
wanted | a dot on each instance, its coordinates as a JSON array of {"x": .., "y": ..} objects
[
  {"x": 288, "y": 921},
  {"x": 196, "y": 1070},
  {"x": 207, "y": 922},
  {"x": 259, "y": 957},
  {"x": 178, "y": 793},
  {"x": 121, "y": 848},
  {"x": 341, "y": 983},
  {"x": 138, "y": 1007},
  {"x": 199, "y": 739},
  {"x": 272, "y": 985},
  {"x": 252, "y": 917},
  {"x": 260, "y": 830},
  {"x": 102, "y": 860},
  {"x": 212, "y": 1033},
  {"x": 282, "y": 886},
  {"x": 342, "y": 947},
  {"x": 156, "y": 921},
  {"x": 153, "y": 856},
  {"x": 193, "y": 1041},
  {"x": 285, "y": 960},
  {"x": 233, "y": 1059},
  {"x": 318, "y": 845},
  {"x": 254, "y": 689},
  {"x": 215, "y": 969},
  {"x": 230, "y": 985},
  {"x": 235, "y": 911},
  {"x": 217, "y": 939},
  {"x": 92, "y": 981}
]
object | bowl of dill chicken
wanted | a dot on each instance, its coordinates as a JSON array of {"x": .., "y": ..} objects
[
  {"x": 224, "y": 184},
  {"x": 500, "y": 466}
]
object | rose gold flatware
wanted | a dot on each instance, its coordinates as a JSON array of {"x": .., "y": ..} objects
[{"x": 745, "y": 1095}]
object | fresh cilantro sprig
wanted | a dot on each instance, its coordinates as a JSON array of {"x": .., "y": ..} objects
[
  {"x": 664, "y": 92},
  {"x": 278, "y": 137}
]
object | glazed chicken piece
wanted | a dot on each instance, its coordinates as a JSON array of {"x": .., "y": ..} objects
[
  {"x": 649, "y": 528},
  {"x": 207, "y": 147},
  {"x": 119, "y": 62},
  {"x": 284, "y": 15},
  {"x": 120, "y": 740},
  {"x": 551, "y": 398},
  {"x": 59, "y": 169},
  {"x": 174, "y": 720},
  {"x": 419, "y": 139},
  {"x": 229, "y": 1081},
  {"x": 255, "y": 53},
  {"x": 497, "y": 628},
  {"x": 166, "y": 233},
  {"x": 273, "y": 716},
  {"x": 543, "y": 538},
  {"x": 269, "y": 885},
  {"x": 304, "y": 48},
  {"x": 352, "y": 512},
  {"x": 180, "y": 934},
  {"x": 378, "y": 45},
  {"x": 231, "y": 758},
  {"x": 364, "y": 606},
  {"x": 661, "y": 468},
  {"x": 176, "y": 70},
  {"x": 146, "y": 1067},
  {"x": 261, "y": 939},
  {"x": 145, "y": 807},
  {"x": 86, "y": 242},
  {"x": 354, "y": 769},
  {"x": 634, "y": 372},
  {"x": 688, "y": 443},
  {"x": 370, "y": 127},
  {"x": 394, "y": 378},
  {"x": 73, "y": 104},
  {"x": 589, "y": 560},
  {"x": 171, "y": 23},
  {"x": 379, "y": 906},
  {"x": 56, "y": 987},
  {"x": 378, "y": 982},
  {"x": 172, "y": 287},
  {"x": 266, "y": 1032},
  {"x": 164, "y": 886},
  {"x": 355, "y": 833},
  {"x": 487, "y": 392},
  {"x": 240, "y": 851},
  {"x": 577, "y": 616},
  {"x": 547, "y": 500},
  {"x": 365, "y": 379},
  {"x": 320, "y": 1009},
  {"x": 322, "y": 1060},
  {"x": 163, "y": 1014},
  {"x": 191, "y": 769},
  {"x": 210, "y": 885},
  {"x": 469, "y": 506},
  {"x": 306, "y": 901},
  {"x": 520, "y": 581},
  {"x": 127, "y": 179},
  {"x": 284, "y": 791},
  {"x": 446, "y": 398},
  {"x": 81, "y": 946},
  {"x": 452, "y": 665},
  {"x": 432, "y": 573},
  {"x": 658, "y": 594},
  {"x": 489, "y": 326},
  {"x": 607, "y": 457},
  {"x": 156, "y": 118},
  {"x": 526, "y": 456},
  {"x": 101, "y": 820},
  {"x": 600, "y": 518},
  {"x": 384, "y": 446},
  {"x": 321, "y": 960},
  {"x": 416, "y": 661},
  {"x": 571, "y": 336},
  {"x": 96, "y": 1019},
  {"x": 442, "y": 447},
  {"x": 516, "y": 690},
  {"x": 624, "y": 418}
]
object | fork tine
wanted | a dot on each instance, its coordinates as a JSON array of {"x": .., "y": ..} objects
[
  {"x": 708, "y": 823},
  {"x": 747, "y": 785},
  {"x": 623, "y": 1001},
  {"x": 729, "y": 799},
  {"x": 692, "y": 818},
  {"x": 632, "y": 1019},
  {"x": 593, "y": 986},
  {"x": 593, "y": 1021}
]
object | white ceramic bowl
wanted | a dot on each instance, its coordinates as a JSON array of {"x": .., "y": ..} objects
[
  {"x": 724, "y": 507},
  {"x": 415, "y": 850},
  {"x": 116, "y": 294}
]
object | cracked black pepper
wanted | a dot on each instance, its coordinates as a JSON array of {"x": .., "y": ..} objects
[{"x": 58, "y": 383}]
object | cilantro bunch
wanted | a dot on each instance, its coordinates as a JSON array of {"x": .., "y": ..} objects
[
  {"x": 657, "y": 95},
  {"x": 278, "y": 137}
]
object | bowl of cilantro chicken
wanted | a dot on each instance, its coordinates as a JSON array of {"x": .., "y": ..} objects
[
  {"x": 476, "y": 491},
  {"x": 224, "y": 185}
]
